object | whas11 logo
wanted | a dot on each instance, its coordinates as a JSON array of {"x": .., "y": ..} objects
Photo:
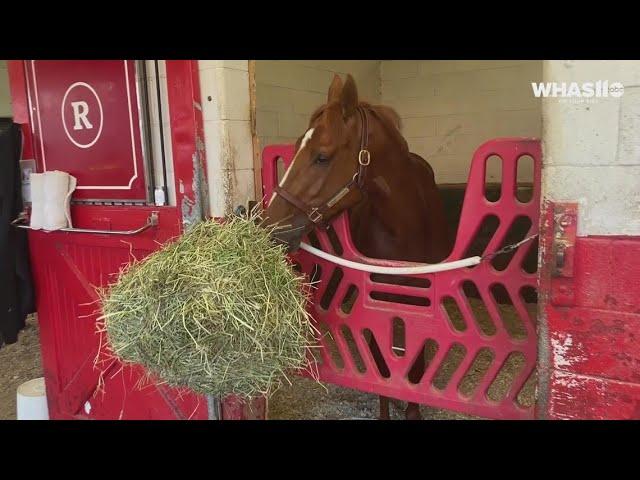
[{"x": 575, "y": 90}]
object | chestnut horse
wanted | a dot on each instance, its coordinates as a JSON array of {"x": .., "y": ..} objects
[{"x": 353, "y": 157}]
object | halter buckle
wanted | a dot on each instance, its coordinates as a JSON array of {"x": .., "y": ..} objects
[
  {"x": 364, "y": 157},
  {"x": 314, "y": 215}
]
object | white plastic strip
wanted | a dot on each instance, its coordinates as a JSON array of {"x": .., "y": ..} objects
[{"x": 426, "y": 268}]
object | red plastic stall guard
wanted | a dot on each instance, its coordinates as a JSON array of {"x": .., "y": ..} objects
[{"x": 473, "y": 326}]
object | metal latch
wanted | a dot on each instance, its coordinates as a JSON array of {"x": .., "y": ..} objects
[{"x": 565, "y": 226}]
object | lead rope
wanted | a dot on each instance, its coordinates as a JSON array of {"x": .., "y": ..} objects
[{"x": 416, "y": 269}]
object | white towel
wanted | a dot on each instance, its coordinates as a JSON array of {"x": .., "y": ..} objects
[
  {"x": 37, "y": 200},
  {"x": 58, "y": 188}
]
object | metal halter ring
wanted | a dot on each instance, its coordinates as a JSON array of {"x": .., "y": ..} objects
[
  {"x": 364, "y": 154},
  {"x": 315, "y": 216}
]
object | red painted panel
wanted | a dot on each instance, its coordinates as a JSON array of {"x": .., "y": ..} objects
[
  {"x": 590, "y": 355},
  {"x": 594, "y": 342},
  {"x": 591, "y": 398},
  {"x": 625, "y": 283},
  {"x": 187, "y": 139},
  {"x": 125, "y": 395},
  {"x": 593, "y": 273},
  {"x": 431, "y": 322},
  {"x": 86, "y": 122},
  {"x": 67, "y": 268}
]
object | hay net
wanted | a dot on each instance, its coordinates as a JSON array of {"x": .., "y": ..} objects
[{"x": 219, "y": 311}]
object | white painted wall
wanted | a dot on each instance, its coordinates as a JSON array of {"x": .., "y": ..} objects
[
  {"x": 224, "y": 87},
  {"x": 591, "y": 151},
  {"x": 288, "y": 91},
  {"x": 5, "y": 98},
  {"x": 449, "y": 108}
]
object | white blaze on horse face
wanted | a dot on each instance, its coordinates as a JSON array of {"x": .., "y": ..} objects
[{"x": 305, "y": 140}]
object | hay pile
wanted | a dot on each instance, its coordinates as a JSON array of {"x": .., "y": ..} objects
[{"x": 220, "y": 311}]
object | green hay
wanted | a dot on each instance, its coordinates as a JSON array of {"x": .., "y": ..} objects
[{"x": 220, "y": 311}]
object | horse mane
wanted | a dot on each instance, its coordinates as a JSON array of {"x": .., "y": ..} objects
[{"x": 389, "y": 118}]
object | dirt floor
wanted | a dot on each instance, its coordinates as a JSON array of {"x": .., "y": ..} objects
[
  {"x": 19, "y": 363},
  {"x": 306, "y": 399}
]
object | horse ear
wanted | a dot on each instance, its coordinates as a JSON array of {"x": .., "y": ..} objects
[
  {"x": 334, "y": 89},
  {"x": 349, "y": 97}
]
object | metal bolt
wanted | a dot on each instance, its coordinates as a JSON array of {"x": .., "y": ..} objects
[{"x": 565, "y": 220}]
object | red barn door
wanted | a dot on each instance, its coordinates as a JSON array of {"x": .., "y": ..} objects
[{"x": 84, "y": 117}]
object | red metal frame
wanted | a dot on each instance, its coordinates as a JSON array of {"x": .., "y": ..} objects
[
  {"x": 422, "y": 323},
  {"x": 187, "y": 139}
]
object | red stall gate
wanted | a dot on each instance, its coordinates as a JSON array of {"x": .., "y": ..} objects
[{"x": 473, "y": 326}]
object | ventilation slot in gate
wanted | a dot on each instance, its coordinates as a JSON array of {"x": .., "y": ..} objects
[
  {"x": 400, "y": 280},
  {"x": 527, "y": 396},
  {"x": 280, "y": 169},
  {"x": 449, "y": 365},
  {"x": 313, "y": 240},
  {"x": 398, "y": 339},
  {"x": 403, "y": 299},
  {"x": 530, "y": 261},
  {"x": 330, "y": 344},
  {"x": 513, "y": 324},
  {"x": 478, "y": 369},
  {"x": 508, "y": 372},
  {"x": 316, "y": 275},
  {"x": 529, "y": 296},
  {"x": 517, "y": 232},
  {"x": 332, "y": 287},
  {"x": 424, "y": 358},
  {"x": 453, "y": 314},
  {"x": 353, "y": 349},
  {"x": 349, "y": 299},
  {"x": 378, "y": 359},
  {"x": 493, "y": 178},
  {"x": 525, "y": 166},
  {"x": 334, "y": 240},
  {"x": 483, "y": 236},
  {"x": 480, "y": 312}
]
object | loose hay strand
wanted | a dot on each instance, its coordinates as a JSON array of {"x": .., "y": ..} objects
[{"x": 220, "y": 311}]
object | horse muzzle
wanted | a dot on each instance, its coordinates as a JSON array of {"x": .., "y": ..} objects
[{"x": 291, "y": 234}]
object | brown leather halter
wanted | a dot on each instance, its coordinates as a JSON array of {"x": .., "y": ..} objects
[{"x": 316, "y": 215}]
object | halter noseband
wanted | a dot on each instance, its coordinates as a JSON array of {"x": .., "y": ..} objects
[{"x": 316, "y": 215}]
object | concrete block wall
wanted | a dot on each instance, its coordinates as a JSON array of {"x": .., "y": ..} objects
[
  {"x": 592, "y": 149},
  {"x": 449, "y": 108},
  {"x": 5, "y": 98},
  {"x": 589, "y": 325},
  {"x": 288, "y": 91},
  {"x": 224, "y": 86}
]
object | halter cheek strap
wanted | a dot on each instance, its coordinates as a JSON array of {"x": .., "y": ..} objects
[{"x": 317, "y": 215}]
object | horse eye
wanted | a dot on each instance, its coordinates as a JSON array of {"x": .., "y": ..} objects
[{"x": 321, "y": 159}]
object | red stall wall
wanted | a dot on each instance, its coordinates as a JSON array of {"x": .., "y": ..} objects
[{"x": 589, "y": 352}]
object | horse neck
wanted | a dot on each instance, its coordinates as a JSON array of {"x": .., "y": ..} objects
[{"x": 392, "y": 199}]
